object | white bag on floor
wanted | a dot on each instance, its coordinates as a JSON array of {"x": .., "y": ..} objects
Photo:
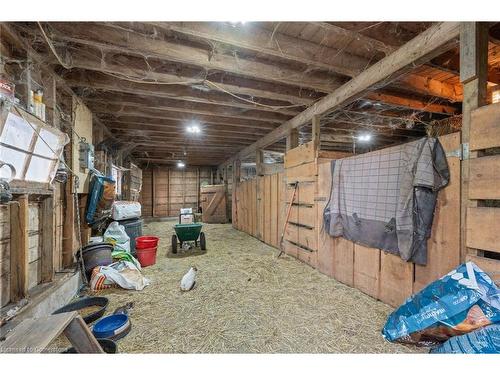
[
  {"x": 116, "y": 235},
  {"x": 123, "y": 273}
]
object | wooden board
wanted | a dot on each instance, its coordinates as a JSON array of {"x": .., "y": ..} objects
[
  {"x": 443, "y": 247},
  {"x": 260, "y": 207},
  {"x": 343, "y": 261},
  {"x": 367, "y": 270},
  {"x": 304, "y": 172},
  {"x": 213, "y": 203},
  {"x": 290, "y": 249},
  {"x": 307, "y": 256},
  {"x": 19, "y": 214},
  {"x": 325, "y": 241},
  {"x": 34, "y": 335},
  {"x": 396, "y": 279},
  {"x": 484, "y": 180},
  {"x": 302, "y": 236},
  {"x": 302, "y": 214},
  {"x": 485, "y": 127},
  {"x": 305, "y": 193},
  {"x": 483, "y": 228},
  {"x": 302, "y": 154},
  {"x": 274, "y": 211},
  {"x": 267, "y": 209}
]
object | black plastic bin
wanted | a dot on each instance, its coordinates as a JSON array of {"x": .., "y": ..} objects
[{"x": 133, "y": 227}]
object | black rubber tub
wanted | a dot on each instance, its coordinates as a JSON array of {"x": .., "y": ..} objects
[
  {"x": 96, "y": 254},
  {"x": 109, "y": 347},
  {"x": 86, "y": 302}
]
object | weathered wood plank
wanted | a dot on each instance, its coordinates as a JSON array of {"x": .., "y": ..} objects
[
  {"x": 483, "y": 228},
  {"x": 302, "y": 173},
  {"x": 304, "y": 195},
  {"x": 302, "y": 154},
  {"x": 367, "y": 270},
  {"x": 343, "y": 261},
  {"x": 396, "y": 279},
  {"x": 485, "y": 127},
  {"x": 47, "y": 258},
  {"x": 484, "y": 180},
  {"x": 19, "y": 248},
  {"x": 34, "y": 335}
]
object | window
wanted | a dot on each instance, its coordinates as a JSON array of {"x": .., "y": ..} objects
[{"x": 31, "y": 146}]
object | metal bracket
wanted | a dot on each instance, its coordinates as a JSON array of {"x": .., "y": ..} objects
[{"x": 462, "y": 152}]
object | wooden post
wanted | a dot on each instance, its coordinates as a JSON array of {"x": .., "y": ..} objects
[
  {"x": 48, "y": 233},
  {"x": 19, "y": 248},
  {"x": 69, "y": 223},
  {"x": 236, "y": 185},
  {"x": 85, "y": 229},
  {"x": 292, "y": 139},
  {"x": 153, "y": 196},
  {"x": 259, "y": 160},
  {"x": 316, "y": 123},
  {"x": 473, "y": 75}
]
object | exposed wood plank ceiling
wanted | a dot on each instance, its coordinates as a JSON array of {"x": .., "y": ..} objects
[{"x": 147, "y": 81}]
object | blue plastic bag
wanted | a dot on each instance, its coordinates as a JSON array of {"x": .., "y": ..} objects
[
  {"x": 485, "y": 340},
  {"x": 458, "y": 303}
]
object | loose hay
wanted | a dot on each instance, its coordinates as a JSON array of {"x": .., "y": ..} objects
[{"x": 247, "y": 301}]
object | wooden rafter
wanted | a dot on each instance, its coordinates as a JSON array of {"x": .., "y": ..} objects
[{"x": 428, "y": 44}]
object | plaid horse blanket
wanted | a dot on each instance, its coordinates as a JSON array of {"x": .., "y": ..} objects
[{"x": 385, "y": 199}]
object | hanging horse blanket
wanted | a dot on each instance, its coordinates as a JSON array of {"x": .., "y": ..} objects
[{"x": 385, "y": 199}]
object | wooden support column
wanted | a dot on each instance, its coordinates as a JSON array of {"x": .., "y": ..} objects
[
  {"x": 259, "y": 160},
  {"x": 292, "y": 139},
  {"x": 236, "y": 185},
  {"x": 153, "y": 195},
  {"x": 85, "y": 229},
  {"x": 473, "y": 75},
  {"x": 19, "y": 248},
  {"x": 316, "y": 132},
  {"x": 69, "y": 223},
  {"x": 48, "y": 234}
]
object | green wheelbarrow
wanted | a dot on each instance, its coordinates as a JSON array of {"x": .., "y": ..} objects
[{"x": 188, "y": 233}]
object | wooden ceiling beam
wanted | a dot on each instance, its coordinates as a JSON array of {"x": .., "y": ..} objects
[
  {"x": 169, "y": 117},
  {"x": 99, "y": 82},
  {"x": 150, "y": 102},
  {"x": 323, "y": 83},
  {"x": 179, "y": 128},
  {"x": 422, "y": 48},
  {"x": 108, "y": 38},
  {"x": 319, "y": 56},
  {"x": 158, "y": 112}
]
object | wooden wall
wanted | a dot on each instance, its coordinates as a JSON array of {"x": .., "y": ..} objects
[
  {"x": 259, "y": 207},
  {"x": 166, "y": 190},
  {"x": 483, "y": 211},
  {"x": 381, "y": 275}
]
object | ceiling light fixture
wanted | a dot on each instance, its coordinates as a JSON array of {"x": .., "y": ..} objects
[
  {"x": 194, "y": 129},
  {"x": 364, "y": 137},
  {"x": 180, "y": 164}
]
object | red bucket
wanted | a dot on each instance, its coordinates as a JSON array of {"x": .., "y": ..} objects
[
  {"x": 146, "y": 242},
  {"x": 147, "y": 257}
]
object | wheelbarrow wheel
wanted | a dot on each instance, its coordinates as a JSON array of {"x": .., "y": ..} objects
[
  {"x": 174, "y": 244},
  {"x": 203, "y": 243}
]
